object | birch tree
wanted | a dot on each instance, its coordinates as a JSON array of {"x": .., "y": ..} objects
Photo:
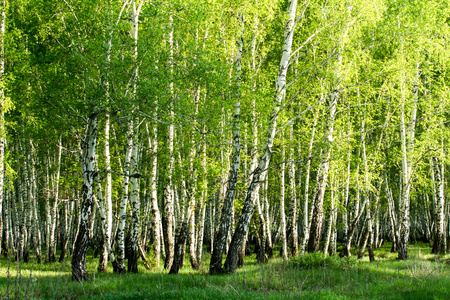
[{"x": 264, "y": 160}]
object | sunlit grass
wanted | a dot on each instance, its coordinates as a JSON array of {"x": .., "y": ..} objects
[{"x": 423, "y": 276}]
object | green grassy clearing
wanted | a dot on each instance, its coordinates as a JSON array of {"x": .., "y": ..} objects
[{"x": 423, "y": 276}]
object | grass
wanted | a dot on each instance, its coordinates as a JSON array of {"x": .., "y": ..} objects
[{"x": 313, "y": 276}]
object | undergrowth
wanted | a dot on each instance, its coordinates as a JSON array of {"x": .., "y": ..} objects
[
  {"x": 319, "y": 260},
  {"x": 312, "y": 276}
]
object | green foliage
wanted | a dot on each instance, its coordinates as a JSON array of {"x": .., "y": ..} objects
[{"x": 319, "y": 260}]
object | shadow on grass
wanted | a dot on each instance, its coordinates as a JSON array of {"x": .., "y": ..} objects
[{"x": 310, "y": 277}]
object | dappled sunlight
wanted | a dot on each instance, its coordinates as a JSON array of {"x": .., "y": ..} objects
[{"x": 310, "y": 277}]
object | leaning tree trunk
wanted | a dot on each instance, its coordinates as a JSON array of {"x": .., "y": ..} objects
[
  {"x": 247, "y": 211},
  {"x": 220, "y": 239},
  {"x": 89, "y": 147},
  {"x": 358, "y": 212}
]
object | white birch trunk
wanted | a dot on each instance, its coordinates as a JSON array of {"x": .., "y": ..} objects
[
  {"x": 168, "y": 189},
  {"x": 247, "y": 211},
  {"x": 2, "y": 104},
  {"x": 124, "y": 202},
  {"x": 330, "y": 222},
  {"x": 134, "y": 164},
  {"x": 36, "y": 218},
  {"x": 192, "y": 198},
  {"x": 134, "y": 202},
  {"x": 322, "y": 177},
  {"x": 407, "y": 136},
  {"x": 153, "y": 145},
  {"x": 283, "y": 252},
  {"x": 439, "y": 210},
  {"x": 202, "y": 205},
  {"x": 306, "y": 214},
  {"x": 104, "y": 225},
  {"x": 79, "y": 272},
  {"x": 54, "y": 209},
  {"x": 224, "y": 226},
  {"x": 367, "y": 190},
  {"x": 293, "y": 230}
]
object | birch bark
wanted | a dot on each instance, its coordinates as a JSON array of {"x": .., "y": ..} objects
[
  {"x": 2, "y": 104},
  {"x": 439, "y": 218},
  {"x": 407, "y": 137},
  {"x": 89, "y": 147},
  {"x": 306, "y": 214},
  {"x": 134, "y": 180},
  {"x": 220, "y": 239},
  {"x": 124, "y": 202},
  {"x": 247, "y": 211},
  {"x": 134, "y": 202},
  {"x": 293, "y": 230},
  {"x": 283, "y": 251},
  {"x": 168, "y": 195},
  {"x": 153, "y": 145},
  {"x": 322, "y": 177},
  {"x": 215, "y": 265}
]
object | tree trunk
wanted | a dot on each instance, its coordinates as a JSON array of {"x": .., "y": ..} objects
[
  {"x": 2, "y": 103},
  {"x": 185, "y": 227},
  {"x": 135, "y": 204},
  {"x": 247, "y": 211},
  {"x": 37, "y": 242},
  {"x": 407, "y": 136},
  {"x": 283, "y": 251},
  {"x": 293, "y": 230},
  {"x": 220, "y": 239},
  {"x": 89, "y": 147},
  {"x": 153, "y": 146},
  {"x": 346, "y": 244},
  {"x": 134, "y": 163},
  {"x": 202, "y": 207},
  {"x": 331, "y": 221},
  {"x": 306, "y": 214},
  {"x": 261, "y": 256},
  {"x": 322, "y": 177},
  {"x": 168, "y": 194},
  {"x": 124, "y": 202},
  {"x": 439, "y": 220}
]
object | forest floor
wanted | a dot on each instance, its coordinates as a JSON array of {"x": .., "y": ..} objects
[{"x": 313, "y": 276}]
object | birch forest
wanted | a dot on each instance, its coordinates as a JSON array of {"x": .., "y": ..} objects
[{"x": 163, "y": 134}]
